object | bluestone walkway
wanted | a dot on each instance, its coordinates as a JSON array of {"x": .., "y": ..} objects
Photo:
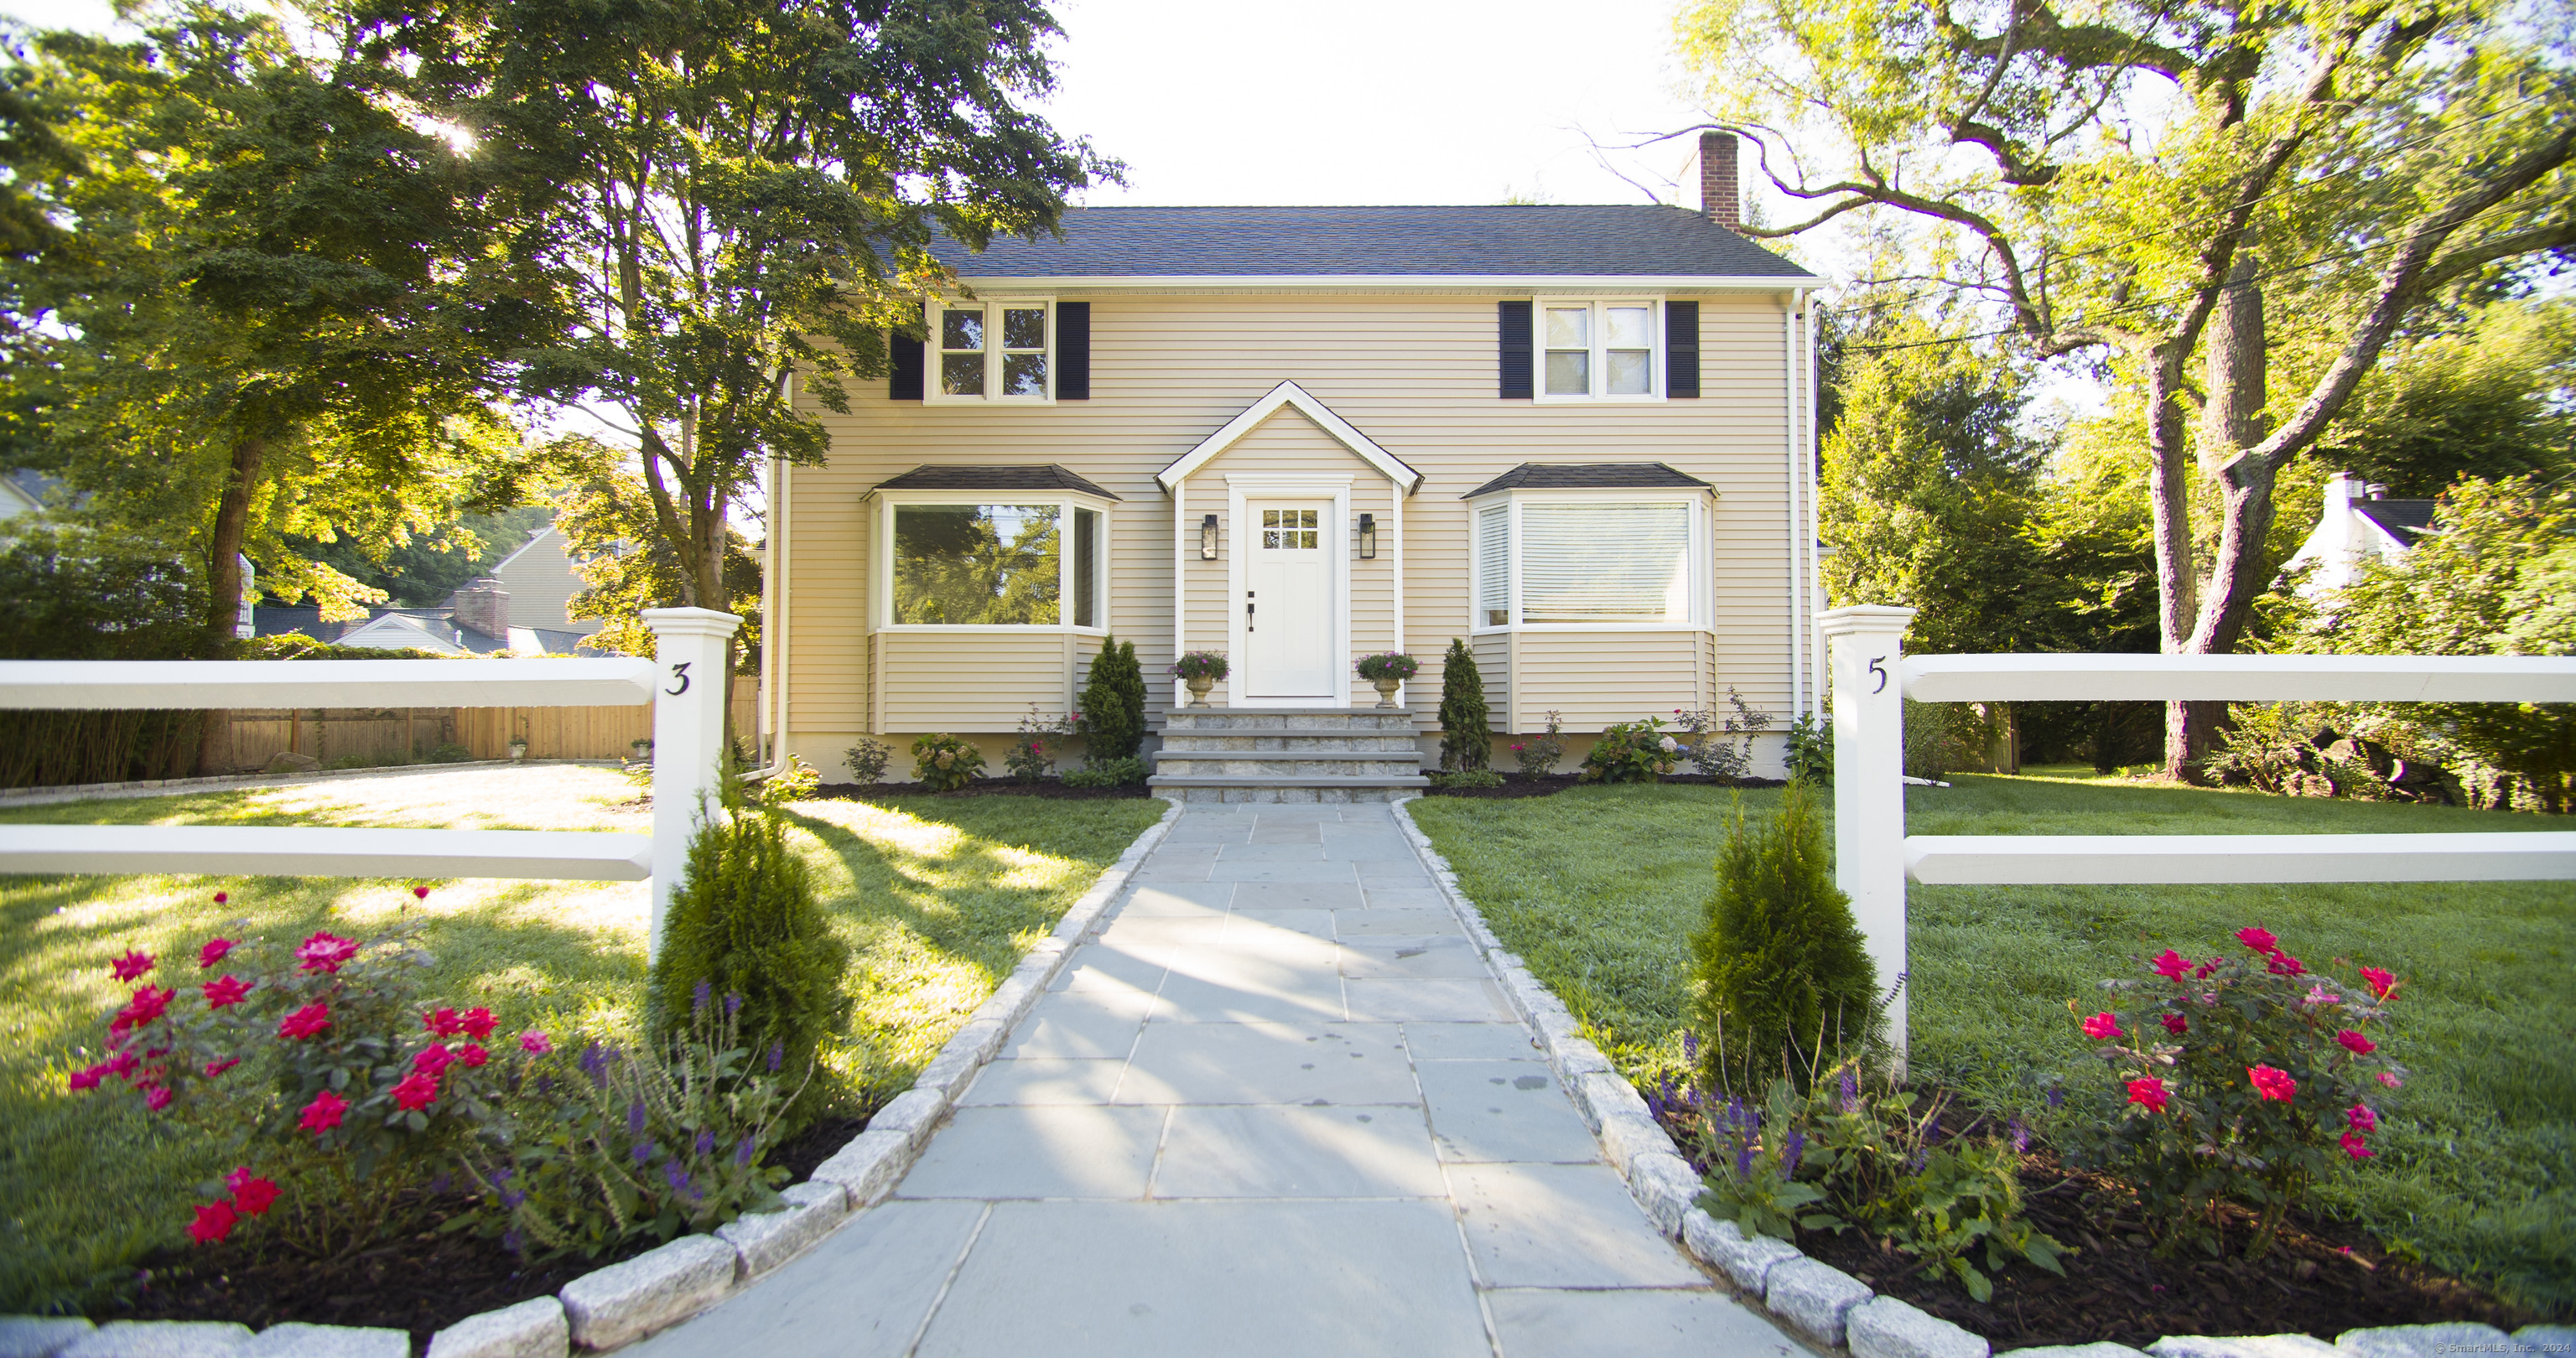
[{"x": 1279, "y": 1107}]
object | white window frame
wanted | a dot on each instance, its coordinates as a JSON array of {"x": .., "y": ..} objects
[
  {"x": 932, "y": 388},
  {"x": 1656, "y": 353},
  {"x": 1702, "y": 557},
  {"x": 881, "y": 559}
]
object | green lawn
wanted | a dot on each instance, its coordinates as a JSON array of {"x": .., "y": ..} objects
[
  {"x": 1599, "y": 887},
  {"x": 937, "y": 901}
]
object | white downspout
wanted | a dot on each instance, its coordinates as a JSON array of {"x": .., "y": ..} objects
[
  {"x": 773, "y": 730},
  {"x": 1815, "y": 524},
  {"x": 1789, "y": 405}
]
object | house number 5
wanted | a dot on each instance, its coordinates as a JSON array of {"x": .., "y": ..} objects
[
  {"x": 1877, "y": 668},
  {"x": 681, "y": 673}
]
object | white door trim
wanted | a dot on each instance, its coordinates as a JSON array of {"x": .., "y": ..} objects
[{"x": 1240, "y": 486}]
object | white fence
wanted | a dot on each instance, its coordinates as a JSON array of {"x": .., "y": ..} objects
[
  {"x": 1875, "y": 858},
  {"x": 685, "y": 683}
]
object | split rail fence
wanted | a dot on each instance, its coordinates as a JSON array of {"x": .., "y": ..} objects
[
  {"x": 683, "y": 686},
  {"x": 1875, "y": 857}
]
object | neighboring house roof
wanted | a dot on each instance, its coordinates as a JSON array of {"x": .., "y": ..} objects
[
  {"x": 1586, "y": 476},
  {"x": 1047, "y": 476},
  {"x": 542, "y": 579},
  {"x": 1290, "y": 394},
  {"x": 277, "y": 620},
  {"x": 1566, "y": 240},
  {"x": 2404, "y": 520}
]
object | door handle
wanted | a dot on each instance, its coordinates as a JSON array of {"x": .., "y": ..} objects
[{"x": 1247, "y": 615}]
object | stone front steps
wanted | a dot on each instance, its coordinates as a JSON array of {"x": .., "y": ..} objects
[{"x": 1276, "y": 754}]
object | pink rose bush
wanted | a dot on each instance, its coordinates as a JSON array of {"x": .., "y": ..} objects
[{"x": 2247, "y": 1077}]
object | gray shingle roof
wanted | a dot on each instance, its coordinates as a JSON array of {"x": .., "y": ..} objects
[
  {"x": 1041, "y": 477},
  {"x": 2404, "y": 519},
  {"x": 1393, "y": 241},
  {"x": 1586, "y": 476}
]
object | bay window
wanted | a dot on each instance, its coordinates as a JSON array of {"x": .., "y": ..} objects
[
  {"x": 1598, "y": 561},
  {"x": 1018, "y": 561}
]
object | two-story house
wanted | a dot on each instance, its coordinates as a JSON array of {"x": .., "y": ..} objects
[{"x": 1577, "y": 436}]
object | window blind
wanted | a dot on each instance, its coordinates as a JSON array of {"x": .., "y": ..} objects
[
  {"x": 1605, "y": 563},
  {"x": 1494, "y": 567}
]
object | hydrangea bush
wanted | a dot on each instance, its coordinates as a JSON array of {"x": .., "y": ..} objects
[
  {"x": 1631, "y": 752},
  {"x": 2244, "y": 1079}
]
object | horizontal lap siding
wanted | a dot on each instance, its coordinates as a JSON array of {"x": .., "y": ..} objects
[
  {"x": 1415, "y": 374},
  {"x": 1493, "y": 654},
  {"x": 1599, "y": 678},
  {"x": 975, "y": 681}
]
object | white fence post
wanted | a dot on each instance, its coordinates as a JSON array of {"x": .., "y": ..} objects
[
  {"x": 692, "y": 647},
  {"x": 1866, "y": 647}
]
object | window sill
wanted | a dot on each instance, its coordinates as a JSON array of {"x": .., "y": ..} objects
[
  {"x": 1594, "y": 627},
  {"x": 1598, "y": 400},
  {"x": 1028, "y": 628}
]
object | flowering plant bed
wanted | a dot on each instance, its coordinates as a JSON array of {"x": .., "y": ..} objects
[
  {"x": 1550, "y": 784},
  {"x": 896, "y": 794}
]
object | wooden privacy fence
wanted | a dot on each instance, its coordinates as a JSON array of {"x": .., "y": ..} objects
[
  {"x": 393, "y": 734},
  {"x": 681, "y": 688},
  {"x": 1874, "y": 858}
]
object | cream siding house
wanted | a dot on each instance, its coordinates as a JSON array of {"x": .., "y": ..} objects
[{"x": 1576, "y": 436}]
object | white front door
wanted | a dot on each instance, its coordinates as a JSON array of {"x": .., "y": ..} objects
[{"x": 1290, "y": 650}]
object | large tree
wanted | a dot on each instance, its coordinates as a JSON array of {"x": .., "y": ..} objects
[
  {"x": 2154, "y": 187},
  {"x": 263, "y": 303},
  {"x": 741, "y": 196}
]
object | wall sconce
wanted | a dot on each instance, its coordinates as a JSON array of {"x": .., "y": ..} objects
[
  {"x": 1207, "y": 538},
  {"x": 1368, "y": 537}
]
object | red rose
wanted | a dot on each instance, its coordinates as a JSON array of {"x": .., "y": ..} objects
[
  {"x": 432, "y": 1059},
  {"x": 2272, "y": 1083},
  {"x": 214, "y": 1222},
  {"x": 325, "y": 952},
  {"x": 442, "y": 1023},
  {"x": 471, "y": 1056},
  {"x": 214, "y": 950},
  {"x": 2177, "y": 1025},
  {"x": 2258, "y": 938},
  {"x": 215, "y": 1068},
  {"x": 150, "y": 1003},
  {"x": 131, "y": 965},
  {"x": 2102, "y": 1028},
  {"x": 2355, "y": 1043},
  {"x": 157, "y": 1097},
  {"x": 254, "y": 1196},
  {"x": 476, "y": 1024},
  {"x": 2171, "y": 966},
  {"x": 305, "y": 1022},
  {"x": 2150, "y": 1092},
  {"x": 225, "y": 990},
  {"x": 323, "y": 1113},
  {"x": 2380, "y": 982},
  {"x": 417, "y": 1091}
]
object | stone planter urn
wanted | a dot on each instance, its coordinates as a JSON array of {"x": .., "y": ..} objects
[
  {"x": 1199, "y": 689},
  {"x": 518, "y": 749},
  {"x": 1386, "y": 690}
]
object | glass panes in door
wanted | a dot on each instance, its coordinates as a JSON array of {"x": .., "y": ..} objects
[{"x": 1290, "y": 530}]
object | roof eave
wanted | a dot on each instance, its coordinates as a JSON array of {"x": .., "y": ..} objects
[{"x": 1393, "y": 282}]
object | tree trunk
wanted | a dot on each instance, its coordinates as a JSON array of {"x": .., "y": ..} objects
[
  {"x": 224, "y": 582},
  {"x": 2231, "y": 421}
]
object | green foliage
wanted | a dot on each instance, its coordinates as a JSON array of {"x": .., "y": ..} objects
[
  {"x": 1113, "y": 704},
  {"x": 1538, "y": 757},
  {"x": 1200, "y": 665},
  {"x": 1780, "y": 979},
  {"x": 1631, "y": 752},
  {"x": 797, "y": 782},
  {"x": 1466, "y": 742},
  {"x": 1840, "y": 1157},
  {"x": 1716, "y": 751},
  {"x": 945, "y": 763},
  {"x": 2494, "y": 577},
  {"x": 1941, "y": 738},
  {"x": 867, "y": 761},
  {"x": 1106, "y": 773},
  {"x": 651, "y": 1144},
  {"x": 2248, "y": 1080},
  {"x": 423, "y": 568},
  {"x": 608, "y": 525},
  {"x": 1811, "y": 748},
  {"x": 450, "y": 753},
  {"x": 1389, "y": 665},
  {"x": 1467, "y": 778},
  {"x": 795, "y": 163},
  {"x": 1028, "y": 760},
  {"x": 70, "y": 592},
  {"x": 744, "y": 923},
  {"x": 2491, "y": 396}
]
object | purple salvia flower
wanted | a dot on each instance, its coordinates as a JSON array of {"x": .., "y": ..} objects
[
  {"x": 1791, "y": 1151},
  {"x": 2056, "y": 1098},
  {"x": 742, "y": 1153},
  {"x": 635, "y": 1118},
  {"x": 777, "y": 1053},
  {"x": 510, "y": 1240},
  {"x": 502, "y": 1175},
  {"x": 1744, "y": 1162},
  {"x": 510, "y": 1200},
  {"x": 698, "y": 999},
  {"x": 642, "y": 1152},
  {"x": 439, "y": 1183},
  {"x": 2020, "y": 1135},
  {"x": 545, "y": 1084},
  {"x": 1851, "y": 1091},
  {"x": 594, "y": 1063},
  {"x": 733, "y": 1005},
  {"x": 1690, "y": 1046},
  {"x": 706, "y": 1141},
  {"x": 678, "y": 1179}
]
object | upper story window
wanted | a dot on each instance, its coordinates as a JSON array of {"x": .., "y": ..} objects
[
  {"x": 1593, "y": 560},
  {"x": 992, "y": 350},
  {"x": 1599, "y": 349}
]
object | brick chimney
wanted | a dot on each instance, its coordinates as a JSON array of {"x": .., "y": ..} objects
[
  {"x": 1721, "y": 195},
  {"x": 484, "y": 606}
]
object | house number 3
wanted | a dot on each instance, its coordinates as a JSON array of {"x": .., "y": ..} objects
[{"x": 681, "y": 673}]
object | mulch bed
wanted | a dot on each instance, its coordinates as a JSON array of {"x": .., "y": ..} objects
[
  {"x": 1548, "y": 785},
  {"x": 901, "y": 794},
  {"x": 2320, "y": 1278},
  {"x": 421, "y": 1283}
]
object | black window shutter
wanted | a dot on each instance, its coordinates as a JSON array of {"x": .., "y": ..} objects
[
  {"x": 903, "y": 367},
  {"x": 1516, "y": 351},
  {"x": 1681, "y": 349},
  {"x": 1073, "y": 351}
]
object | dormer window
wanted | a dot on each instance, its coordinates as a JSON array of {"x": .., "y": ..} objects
[
  {"x": 993, "y": 350},
  {"x": 1599, "y": 349}
]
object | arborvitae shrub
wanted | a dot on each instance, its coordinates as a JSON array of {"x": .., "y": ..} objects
[
  {"x": 1464, "y": 741},
  {"x": 1113, "y": 703},
  {"x": 1780, "y": 980},
  {"x": 745, "y": 922}
]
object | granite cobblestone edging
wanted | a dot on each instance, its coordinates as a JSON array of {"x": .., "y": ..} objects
[
  {"x": 1819, "y": 1302},
  {"x": 627, "y": 1301}
]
